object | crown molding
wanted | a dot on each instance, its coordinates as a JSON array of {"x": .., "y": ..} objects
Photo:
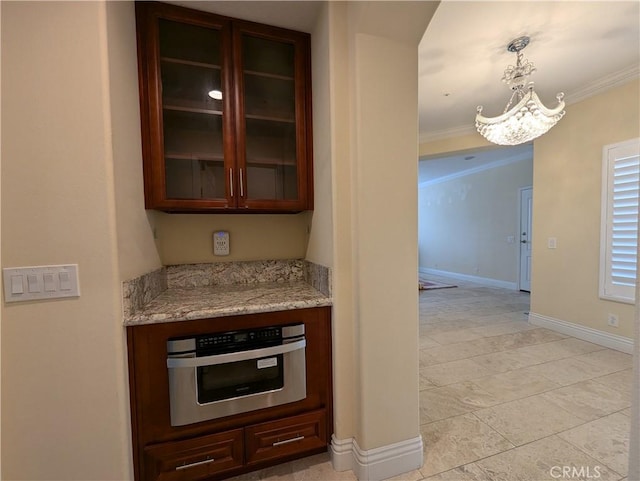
[
  {"x": 447, "y": 133},
  {"x": 474, "y": 170},
  {"x": 608, "y": 82}
]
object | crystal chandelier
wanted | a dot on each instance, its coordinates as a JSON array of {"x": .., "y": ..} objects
[{"x": 528, "y": 119}]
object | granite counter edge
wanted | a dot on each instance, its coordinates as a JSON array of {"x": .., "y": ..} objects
[{"x": 158, "y": 318}]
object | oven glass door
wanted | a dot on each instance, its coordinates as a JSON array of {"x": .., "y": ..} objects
[{"x": 241, "y": 378}]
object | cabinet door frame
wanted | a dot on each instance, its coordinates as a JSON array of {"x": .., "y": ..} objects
[
  {"x": 148, "y": 15},
  {"x": 303, "y": 126}
]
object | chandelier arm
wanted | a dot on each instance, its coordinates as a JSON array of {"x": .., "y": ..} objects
[{"x": 520, "y": 97}]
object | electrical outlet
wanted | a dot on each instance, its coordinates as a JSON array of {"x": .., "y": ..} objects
[
  {"x": 221, "y": 243},
  {"x": 612, "y": 320}
]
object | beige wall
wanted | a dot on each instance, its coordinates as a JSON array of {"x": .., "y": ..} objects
[
  {"x": 137, "y": 253},
  {"x": 566, "y": 204},
  {"x": 381, "y": 192},
  {"x": 84, "y": 173},
  {"x": 320, "y": 245},
  {"x": 464, "y": 223},
  {"x": 472, "y": 141},
  {"x": 187, "y": 238},
  {"x": 65, "y": 405}
]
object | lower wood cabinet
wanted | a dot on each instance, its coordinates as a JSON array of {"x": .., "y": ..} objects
[
  {"x": 195, "y": 459},
  {"x": 285, "y": 437},
  {"x": 231, "y": 445}
]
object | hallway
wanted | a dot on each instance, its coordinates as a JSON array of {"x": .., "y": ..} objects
[
  {"x": 505, "y": 400},
  {"x": 502, "y": 400}
]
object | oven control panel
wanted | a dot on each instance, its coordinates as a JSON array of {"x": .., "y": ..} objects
[
  {"x": 230, "y": 341},
  {"x": 267, "y": 335}
]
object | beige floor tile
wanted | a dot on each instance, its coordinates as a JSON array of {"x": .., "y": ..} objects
[
  {"x": 615, "y": 360},
  {"x": 452, "y": 337},
  {"x": 516, "y": 384},
  {"x": 522, "y": 339},
  {"x": 503, "y": 361},
  {"x": 415, "y": 475},
  {"x": 453, "y": 400},
  {"x": 430, "y": 329},
  {"x": 453, "y": 475},
  {"x": 626, "y": 412},
  {"x": 588, "y": 400},
  {"x": 541, "y": 460},
  {"x": 424, "y": 383},
  {"x": 454, "y": 372},
  {"x": 427, "y": 342},
  {"x": 563, "y": 348},
  {"x": 318, "y": 468},
  {"x": 456, "y": 441},
  {"x": 508, "y": 327},
  {"x": 605, "y": 439},
  {"x": 570, "y": 370},
  {"x": 453, "y": 352},
  {"x": 528, "y": 419},
  {"x": 620, "y": 381}
]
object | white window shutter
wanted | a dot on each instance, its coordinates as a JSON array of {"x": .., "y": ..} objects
[{"x": 620, "y": 194}]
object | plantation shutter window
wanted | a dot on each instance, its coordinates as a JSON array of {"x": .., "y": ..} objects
[{"x": 619, "y": 237}]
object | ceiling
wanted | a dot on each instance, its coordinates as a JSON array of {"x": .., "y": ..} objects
[
  {"x": 292, "y": 14},
  {"x": 578, "y": 47}
]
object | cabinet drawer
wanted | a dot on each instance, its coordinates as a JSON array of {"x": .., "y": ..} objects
[
  {"x": 293, "y": 435},
  {"x": 194, "y": 459}
]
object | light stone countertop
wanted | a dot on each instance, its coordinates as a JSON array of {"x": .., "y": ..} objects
[{"x": 188, "y": 303}]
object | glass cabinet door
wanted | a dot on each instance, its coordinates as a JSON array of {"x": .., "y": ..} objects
[
  {"x": 270, "y": 121},
  {"x": 193, "y": 90}
]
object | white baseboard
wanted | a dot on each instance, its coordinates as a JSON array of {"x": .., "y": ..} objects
[
  {"x": 613, "y": 341},
  {"x": 379, "y": 463},
  {"x": 485, "y": 281}
]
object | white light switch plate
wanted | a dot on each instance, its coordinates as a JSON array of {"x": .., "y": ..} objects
[
  {"x": 40, "y": 282},
  {"x": 221, "y": 243}
]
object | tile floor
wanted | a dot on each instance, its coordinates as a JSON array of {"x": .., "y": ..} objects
[{"x": 503, "y": 400}]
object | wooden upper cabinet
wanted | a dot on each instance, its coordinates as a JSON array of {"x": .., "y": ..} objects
[{"x": 226, "y": 113}]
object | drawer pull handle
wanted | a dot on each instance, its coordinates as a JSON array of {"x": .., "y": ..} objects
[
  {"x": 191, "y": 465},
  {"x": 287, "y": 441}
]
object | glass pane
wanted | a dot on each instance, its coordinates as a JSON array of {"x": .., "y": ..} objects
[
  {"x": 189, "y": 42},
  {"x": 190, "y": 67},
  {"x": 269, "y": 97},
  {"x": 268, "y": 56},
  {"x": 271, "y": 142},
  {"x": 272, "y": 182},
  {"x": 189, "y": 87},
  {"x": 194, "y": 179},
  {"x": 192, "y": 134},
  {"x": 271, "y": 160},
  {"x": 194, "y": 166},
  {"x": 270, "y": 115}
]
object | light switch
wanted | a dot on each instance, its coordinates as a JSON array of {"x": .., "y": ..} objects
[
  {"x": 16, "y": 285},
  {"x": 40, "y": 282},
  {"x": 33, "y": 285},
  {"x": 65, "y": 281},
  {"x": 49, "y": 282}
]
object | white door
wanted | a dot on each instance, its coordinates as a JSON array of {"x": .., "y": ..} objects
[{"x": 526, "y": 205}]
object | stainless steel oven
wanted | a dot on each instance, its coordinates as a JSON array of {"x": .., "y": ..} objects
[{"x": 216, "y": 375}]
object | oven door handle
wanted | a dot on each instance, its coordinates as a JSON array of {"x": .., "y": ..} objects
[{"x": 235, "y": 356}]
